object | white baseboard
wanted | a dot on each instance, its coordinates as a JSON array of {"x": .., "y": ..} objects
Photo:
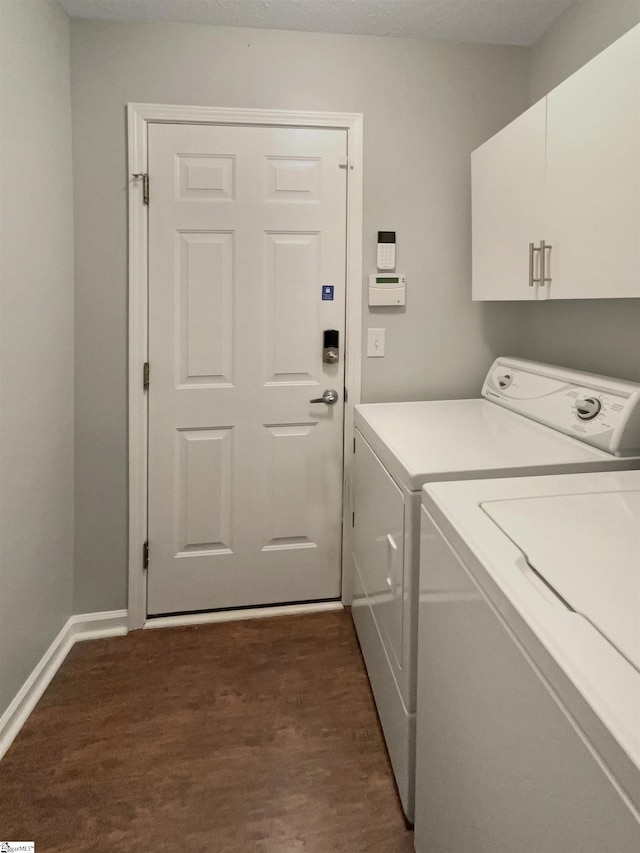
[
  {"x": 87, "y": 626},
  {"x": 244, "y": 613}
]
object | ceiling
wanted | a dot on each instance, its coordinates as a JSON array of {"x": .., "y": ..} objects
[{"x": 517, "y": 22}]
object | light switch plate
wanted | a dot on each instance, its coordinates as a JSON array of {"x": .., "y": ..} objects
[{"x": 375, "y": 343}]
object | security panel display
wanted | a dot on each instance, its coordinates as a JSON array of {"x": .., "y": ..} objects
[
  {"x": 387, "y": 290},
  {"x": 386, "y": 250}
]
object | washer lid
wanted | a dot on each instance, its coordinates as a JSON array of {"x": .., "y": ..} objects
[{"x": 587, "y": 549}]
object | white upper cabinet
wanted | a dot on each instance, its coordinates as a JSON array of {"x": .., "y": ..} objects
[
  {"x": 507, "y": 174},
  {"x": 583, "y": 202},
  {"x": 592, "y": 185}
]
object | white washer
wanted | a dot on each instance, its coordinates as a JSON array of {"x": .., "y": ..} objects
[
  {"x": 528, "y": 726},
  {"x": 532, "y": 419}
]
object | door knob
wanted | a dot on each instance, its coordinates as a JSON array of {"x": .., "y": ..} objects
[{"x": 330, "y": 397}]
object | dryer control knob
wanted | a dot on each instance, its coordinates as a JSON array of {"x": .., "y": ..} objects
[{"x": 588, "y": 408}]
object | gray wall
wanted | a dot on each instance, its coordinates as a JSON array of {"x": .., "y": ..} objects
[
  {"x": 602, "y": 335},
  {"x": 426, "y": 106},
  {"x": 36, "y": 330}
]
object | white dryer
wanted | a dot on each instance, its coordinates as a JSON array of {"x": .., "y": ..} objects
[
  {"x": 528, "y": 723},
  {"x": 531, "y": 419}
]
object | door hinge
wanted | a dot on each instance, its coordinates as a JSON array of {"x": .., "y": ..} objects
[
  {"x": 145, "y": 376},
  {"x": 353, "y": 519},
  {"x": 145, "y": 185},
  {"x": 346, "y": 394},
  {"x": 145, "y": 555},
  {"x": 354, "y": 444}
]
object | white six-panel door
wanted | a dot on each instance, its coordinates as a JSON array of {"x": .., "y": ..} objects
[{"x": 247, "y": 227}]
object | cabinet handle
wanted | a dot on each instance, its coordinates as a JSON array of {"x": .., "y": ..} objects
[
  {"x": 544, "y": 278},
  {"x": 532, "y": 250}
]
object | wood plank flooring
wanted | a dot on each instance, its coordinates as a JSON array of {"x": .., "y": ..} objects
[{"x": 237, "y": 737}]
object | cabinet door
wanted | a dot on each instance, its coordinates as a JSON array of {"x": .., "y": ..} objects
[
  {"x": 592, "y": 186},
  {"x": 507, "y": 176}
]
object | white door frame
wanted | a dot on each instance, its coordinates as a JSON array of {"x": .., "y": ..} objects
[{"x": 138, "y": 118}]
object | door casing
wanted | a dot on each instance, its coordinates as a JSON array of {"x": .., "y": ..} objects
[{"x": 138, "y": 118}]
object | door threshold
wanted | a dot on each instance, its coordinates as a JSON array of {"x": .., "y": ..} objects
[{"x": 205, "y": 618}]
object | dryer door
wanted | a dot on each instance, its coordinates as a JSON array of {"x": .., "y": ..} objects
[{"x": 379, "y": 545}]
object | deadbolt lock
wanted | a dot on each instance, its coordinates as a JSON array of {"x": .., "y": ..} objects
[{"x": 331, "y": 346}]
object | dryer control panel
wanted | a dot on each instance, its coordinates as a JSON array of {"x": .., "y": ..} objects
[{"x": 599, "y": 410}]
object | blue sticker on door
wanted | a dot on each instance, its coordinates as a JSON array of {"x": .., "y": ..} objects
[{"x": 327, "y": 293}]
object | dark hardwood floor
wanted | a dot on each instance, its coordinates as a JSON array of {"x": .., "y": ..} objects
[{"x": 243, "y": 736}]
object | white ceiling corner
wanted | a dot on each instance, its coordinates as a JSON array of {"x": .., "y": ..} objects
[{"x": 515, "y": 22}]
